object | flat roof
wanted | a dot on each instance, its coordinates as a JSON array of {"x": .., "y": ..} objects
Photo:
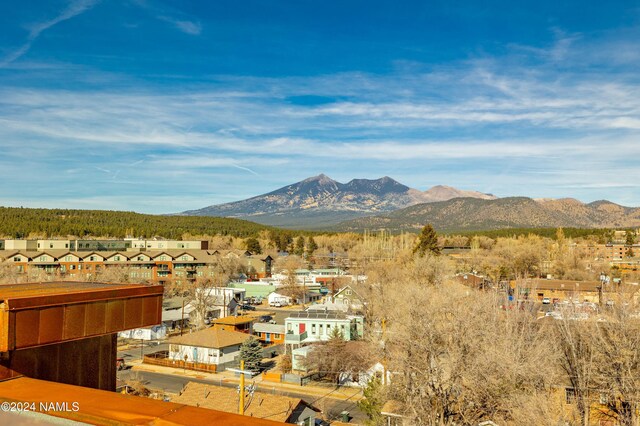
[
  {"x": 100, "y": 407},
  {"x": 318, "y": 315}
]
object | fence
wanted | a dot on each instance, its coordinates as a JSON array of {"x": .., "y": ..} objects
[{"x": 161, "y": 358}]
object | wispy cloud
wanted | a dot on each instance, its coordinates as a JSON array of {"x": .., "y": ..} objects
[
  {"x": 74, "y": 8},
  {"x": 498, "y": 124},
  {"x": 188, "y": 27},
  {"x": 176, "y": 18}
]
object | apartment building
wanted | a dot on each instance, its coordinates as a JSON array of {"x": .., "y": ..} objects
[
  {"x": 161, "y": 266},
  {"x": 127, "y": 244}
]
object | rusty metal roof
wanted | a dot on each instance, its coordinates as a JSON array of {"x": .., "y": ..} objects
[{"x": 109, "y": 408}]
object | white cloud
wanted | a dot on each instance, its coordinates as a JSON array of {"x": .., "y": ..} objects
[{"x": 74, "y": 8}]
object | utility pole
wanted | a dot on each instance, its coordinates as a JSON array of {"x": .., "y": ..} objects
[
  {"x": 242, "y": 372},
  {"x": 384, "y": 358},
  {"x": 182, "y": 322},
  {"x": 241, "y": 389}
]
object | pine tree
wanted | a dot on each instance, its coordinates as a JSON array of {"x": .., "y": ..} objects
[
  {"x": 427, "y": 242},
  {"x": 253, "y": 245},
  {"x": 372, "y": 402},
  {"x": 629, "y": 243},
  {"x": 311, "y": 246},
  {"x": 299, "y": 247},
  {"x": 251, "y": 353}
]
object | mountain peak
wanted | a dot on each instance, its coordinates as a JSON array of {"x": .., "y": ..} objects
[
  {"x": 319, "y": 201},
  {"x": 322, "y": 179}
]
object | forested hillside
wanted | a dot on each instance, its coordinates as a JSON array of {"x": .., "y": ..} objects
[{"x": 21, "y": 222}]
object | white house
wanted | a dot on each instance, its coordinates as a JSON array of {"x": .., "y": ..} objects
[
  {"x": 211, "y": 346},
  {"x": 278, "y": 298}
]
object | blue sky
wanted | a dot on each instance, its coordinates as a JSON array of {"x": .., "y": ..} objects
[{"x": 160, "y": 107}]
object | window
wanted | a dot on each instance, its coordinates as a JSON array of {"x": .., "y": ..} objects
[
  {"x": 72, "y": 267},
  {"x": 16, "y": 259},
  {"x": 313, "y": 329},
  {"x": 66, "y": 245},
  {"x": 50, "y": 245},
  {"x": 328, "y": 328},
  {"x": 92, "y": 258},
  {"x": 117, "y": 258},
  {"x": 185, "y": 257},
  {"x": 321, "y": 328},
  {"x": 67, "y": 258},
  {"x": 140, "y": 258},
  {"x": 347, "y": 292}
]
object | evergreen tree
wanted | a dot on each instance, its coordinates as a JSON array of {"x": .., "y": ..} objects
[
  {"x": 311, "y": 246},
  {"x": 372, "y": 402},
  {"x": 299, "y": 247},
  {"x": 427, "y": 242},
  {"x": 253, "y": 245},
  {"x": 629, "y": 243},
  {"x": 251, "y": 353}
]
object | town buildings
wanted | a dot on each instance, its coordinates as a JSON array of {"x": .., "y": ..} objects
[{"x": 149, "y": 264}]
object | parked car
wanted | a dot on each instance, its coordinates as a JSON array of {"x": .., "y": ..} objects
[
  {"x": 265, "y": 318},
  {"x": 276, "y": 304},
  {"x": 120, "y": 364},
  {"x": 246, "y": 307},
  {"x": 546, "y": 301}
]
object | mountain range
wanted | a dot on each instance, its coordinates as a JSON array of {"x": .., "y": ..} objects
[
  {"x": 320, "y": 202},
  {"x": 468, "y": 214}
]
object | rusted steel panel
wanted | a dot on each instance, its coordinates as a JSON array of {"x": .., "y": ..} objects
[
  {"x": 33, "y": 295},
  {"x": 74, "y": 321},
  {"x": 27, "y": 324},
  {"x": 115, "y": 316},
  {"x": 4, "y": 328},
  {"x": 30, "y": 320},
  {"x": 151, "y": 310},
  {"x": 95, "y": 319},
  {"x": 132, "y": 313},
  {"x": 51, "y": 324}
]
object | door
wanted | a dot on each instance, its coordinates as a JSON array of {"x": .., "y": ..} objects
[{"x": 302, "y": 328}]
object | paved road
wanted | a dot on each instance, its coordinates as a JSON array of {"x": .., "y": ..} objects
[{"x": 173, "y": 384}]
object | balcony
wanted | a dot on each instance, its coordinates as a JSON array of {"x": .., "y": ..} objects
[{"x": 295, "y": 338}]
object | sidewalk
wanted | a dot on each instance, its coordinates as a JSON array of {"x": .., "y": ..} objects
[{"x": 342, "y": 394}]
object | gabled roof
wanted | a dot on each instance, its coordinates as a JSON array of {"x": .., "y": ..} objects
[
  {"x": 6, "y": 254},
  {"x": 155, "y": 255},
  {"x": 91, "y": 253},
  {"x": 262, "y": 406},
  {"x": 210, "y": 338},
  {"x": 68, "y": 253},
  {"x": 353, "y": 292},
  {"x": 109, "y": 255}
]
